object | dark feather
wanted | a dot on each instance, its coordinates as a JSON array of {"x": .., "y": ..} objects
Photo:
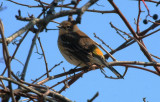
[{"x": 78, "y": 45}]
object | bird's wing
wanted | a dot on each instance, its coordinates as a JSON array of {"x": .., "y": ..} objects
[
  {"x": 88, "y": 44},
  {"x": 77, "y": 45}
]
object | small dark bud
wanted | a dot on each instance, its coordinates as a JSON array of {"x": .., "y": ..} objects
[
  {"x": 73, "y": 2},
  {"x": 145, "y": 21},
  {"x": 55, "y": 4},
  {"x": 19, "y": 12},
  {"x": 49, "y": 12},
  {"x": 155, "y": 16}
]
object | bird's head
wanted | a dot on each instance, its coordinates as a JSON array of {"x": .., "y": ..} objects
[{"x": 67, "y": 26}]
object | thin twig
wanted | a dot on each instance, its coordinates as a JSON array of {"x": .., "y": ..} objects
[
  {"x": 66, "y": 82},
  {"x": 121, "y": 35},
  {"x": 106, "y": 52},
  {"x": 153, "y": 26},
  {"x": 29, "y": 55},
  {"x": 118, "y": 31},
  {"x": 154, "y": 32},
  {"x": 102, "y": 41},
  {"x": 77, "y": 76},
  {"x": 18, "y": 45},
  {"x": 145, "y": 69},
  {"x": 45, "y": 80},
  {"x": 138, "y": 18},
  {"x": 48, "y": 71},
  {"x": 18, "y": 61},
  {"x": 22, "y": 4},
  {"x": 43, "y": 8},
  {"x": 148, "y": 1},
  {"x": 23, "y": 82},
  {"x": 44, "y": 57},
  {"x": 94, "y": 97},
  {"x": 154, "y": 22},
  {"x": 155, "y": 56},
  {"x": 126, "y": 69}
]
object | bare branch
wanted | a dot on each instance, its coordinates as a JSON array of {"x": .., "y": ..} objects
[
  {"x": 6, "y": 57},
  {"x": 21, "y": 31},
  {"x": 123, "y": 18}
]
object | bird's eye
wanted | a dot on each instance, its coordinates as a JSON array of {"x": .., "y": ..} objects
[{"x": 68, "y": 27}]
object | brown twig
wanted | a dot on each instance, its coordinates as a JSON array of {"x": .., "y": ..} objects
[
  {"x": 148, "y": 1},
  {"x": 153, "y": 26},
  {"x": 155, "y": 56},
  {"x": 7, "y": 58},
  {"x": 66, "y": 82},
  {"x": 138, "y": 18},
  {"x": 102, "y": 41},
  {"x": 43, "y": 8},
  {"x": 146, "y": 8},
  {"x": 4, "y": 71},
  {"x": 3, "y": 84},
  {"x": 154, "y": 22},
  {"x": 106, "y": 52},
  {"x": 126, "y": 69},
  {"x": 118, "y": 31},
  {"x": 44, "y": 57},
  {"x": 94, "y": 97},
  {"x": 45, "y": 80},
  {"x": 23, "y": 82},
  {"x": 122, "y": 46},
  {"x": 30, "y": 6},
  {"x": 77, "y": 76},
  {"x": 121, "y": 35},
  {"x": 83, "y": 9},
  {"x": 123, "y": 18},
  {"x": 18, "y": 93},
  {"x": 18, "y": 83},
  {"x": 97, "y": 11},
  {"x": 134, "y": 63},
  {"x": 62, "y": 81},
  {"x": 18, "y": 45},
  {"x": 48, "y": 71},
  {"x": 148, "y": 70},
  {"x": 55, "y": 95},
  {"x": 149, "y": 34}
]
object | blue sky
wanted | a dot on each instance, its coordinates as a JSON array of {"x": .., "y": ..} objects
[{"x": 136, "y": 85}]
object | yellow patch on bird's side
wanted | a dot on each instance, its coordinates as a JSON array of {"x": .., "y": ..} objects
[{"x": 97, "y": 51}]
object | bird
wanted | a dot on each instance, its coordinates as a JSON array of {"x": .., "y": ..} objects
[{"x": 79, "y": 49}]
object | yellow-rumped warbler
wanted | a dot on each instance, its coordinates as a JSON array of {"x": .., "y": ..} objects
[{"x": 78, "y": 49}]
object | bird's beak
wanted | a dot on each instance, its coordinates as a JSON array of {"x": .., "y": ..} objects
[{"x": 59, "y": 26}]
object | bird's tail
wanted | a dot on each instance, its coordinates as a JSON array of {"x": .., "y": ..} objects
[{"x": 113, "y": 70}]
